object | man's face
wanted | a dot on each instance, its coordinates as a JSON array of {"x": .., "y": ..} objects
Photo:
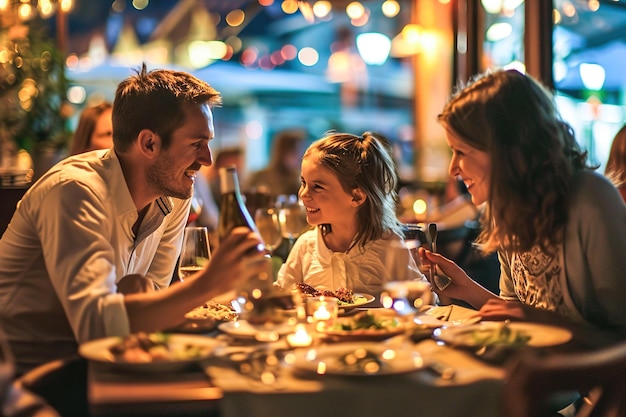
[{"x": 174, "y": 171}]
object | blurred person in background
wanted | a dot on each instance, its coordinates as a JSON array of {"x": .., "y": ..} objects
[
  {"x": 90, "y": 251},
  {"x": 616, "y": 163},
  {"x": 558, "y": 226},
  {"x": 94, "y": 129},
  {"x": 225, "y": 157},
  {"x": 282, "y": 175}
]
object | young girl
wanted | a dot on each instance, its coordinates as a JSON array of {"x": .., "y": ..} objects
[{"x": 348, "y": 187}]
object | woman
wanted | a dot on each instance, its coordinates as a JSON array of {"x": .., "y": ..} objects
[
  {"x": 94, "y": 129},
  {"x": 559, "y": 227},
  {"x": 616, "y": 164}
]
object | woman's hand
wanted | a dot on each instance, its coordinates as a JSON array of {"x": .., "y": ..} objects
[
  {"x": 499, "y": 310},
  {"x": 462, "y": 286}
]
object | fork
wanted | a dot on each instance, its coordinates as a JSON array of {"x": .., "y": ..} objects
[{"x": 439, "y": 280}]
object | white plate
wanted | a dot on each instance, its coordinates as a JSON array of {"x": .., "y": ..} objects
[
  {"x": 360, "y": 299},
  {"x": 367, "y": 334},
  {"x": 327, "y": 359},
  {"x": 430, "y": 320},
  {"x": 540, "y": 334},
  {"x": 242, "y": 328},
  {"x": 99, "y": 351}
]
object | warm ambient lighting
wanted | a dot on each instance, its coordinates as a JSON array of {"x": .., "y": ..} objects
[
  {"x": 373, "y": 47},
  {"x": 390, "y": 8},
  {"x": 500, "y": 6},
  {"x": 46, "y": 8},
  {"x": 498, "y": 31},
  {"x": 408, "y": 42},
  {"x": 592, "y": 76},
  {"x": 301, "y": 338}
]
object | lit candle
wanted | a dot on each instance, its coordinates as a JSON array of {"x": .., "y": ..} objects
[
  {"x": 301, "y": 338},
  {"x": 322, "y": 313}
]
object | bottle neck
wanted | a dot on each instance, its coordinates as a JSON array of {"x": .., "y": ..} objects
[{"x": 228, "y": 182}]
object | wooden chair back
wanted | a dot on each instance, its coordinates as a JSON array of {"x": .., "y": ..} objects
[{"x": 599, "y": 375}]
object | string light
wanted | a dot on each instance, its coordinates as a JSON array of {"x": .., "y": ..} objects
[{"x": 26, "y": 10}]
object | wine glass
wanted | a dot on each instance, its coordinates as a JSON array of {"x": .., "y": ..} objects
[
  {"x": 195, "y": 252},
  {"x": 292, "y": 217},
  {"x": 408, "y": 297},
  {"x": 269, "y": 227}
]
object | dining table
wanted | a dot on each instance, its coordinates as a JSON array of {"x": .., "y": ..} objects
[{"x": 445, "y": 381}]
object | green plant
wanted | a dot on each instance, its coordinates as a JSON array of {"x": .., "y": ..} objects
[{"x": 33, "y": 109}]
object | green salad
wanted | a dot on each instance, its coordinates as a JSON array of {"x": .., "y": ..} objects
[
  {"x": 499, "y": 336},
  {"x": 366, "y": 320}
]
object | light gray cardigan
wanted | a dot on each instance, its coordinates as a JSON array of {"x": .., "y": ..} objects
[{"x": 594, "y": 282}]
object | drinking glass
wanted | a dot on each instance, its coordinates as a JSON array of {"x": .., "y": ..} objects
[
  {"x": 292, "y": 217},
  {"x": 195, "y": 252},
  {"x": 407, "y": 297},
  {"x": 269, "y": 227}
]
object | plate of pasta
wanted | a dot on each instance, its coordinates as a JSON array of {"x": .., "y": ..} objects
[{"x": 207, "y": 317}]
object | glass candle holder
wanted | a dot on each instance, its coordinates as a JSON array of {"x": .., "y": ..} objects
[
  {"x": 300, "y": 338},
  {"x": 322, "y": 311}
]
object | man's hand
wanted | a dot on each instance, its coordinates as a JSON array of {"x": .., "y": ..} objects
[
  {"x": 135, "y": 283},
  {"x": 238, "y": 258}
]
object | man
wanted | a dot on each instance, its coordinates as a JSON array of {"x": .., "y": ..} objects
[{"x": 91, "y": 241}]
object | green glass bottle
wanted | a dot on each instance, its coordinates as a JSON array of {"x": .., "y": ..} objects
[{"x": 233, "y": 211}]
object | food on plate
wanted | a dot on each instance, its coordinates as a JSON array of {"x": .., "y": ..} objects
[
  {"x": 154, "y": 347},
  {"x": 498, "y": 336},
  {"x": 212, "y": 310},
  {"x": 361, "y": 360},
  {"x": 366, "y": 320},
  {"x": 344, "y": 295}
]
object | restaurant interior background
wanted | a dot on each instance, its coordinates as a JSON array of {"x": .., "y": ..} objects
[{"x": 381, "y": 65}]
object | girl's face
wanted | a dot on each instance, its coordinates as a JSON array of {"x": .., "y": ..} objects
[
  {"x": 325, "y": 200},
  {"x": 472, "y": 165}
]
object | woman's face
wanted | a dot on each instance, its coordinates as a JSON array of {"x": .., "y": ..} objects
[
  {"x": 102, "y": 136},
  {"x": 472, "y": 165}
]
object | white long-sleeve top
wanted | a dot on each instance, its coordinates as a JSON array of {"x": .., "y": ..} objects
[
  {"x": 68, "y": 244},
  {"x": 362, "y": 270}
]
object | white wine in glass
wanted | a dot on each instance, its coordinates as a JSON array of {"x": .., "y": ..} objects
[
  {"x": 195, "y": 252},
  {"x": 292, "y": 217},
  {"x": 269, "y": 227}
]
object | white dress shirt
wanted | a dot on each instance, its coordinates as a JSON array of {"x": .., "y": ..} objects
[{"x": 68, "y": 244}]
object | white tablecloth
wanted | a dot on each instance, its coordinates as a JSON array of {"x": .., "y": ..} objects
[{"x": 474, "y": 391}]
